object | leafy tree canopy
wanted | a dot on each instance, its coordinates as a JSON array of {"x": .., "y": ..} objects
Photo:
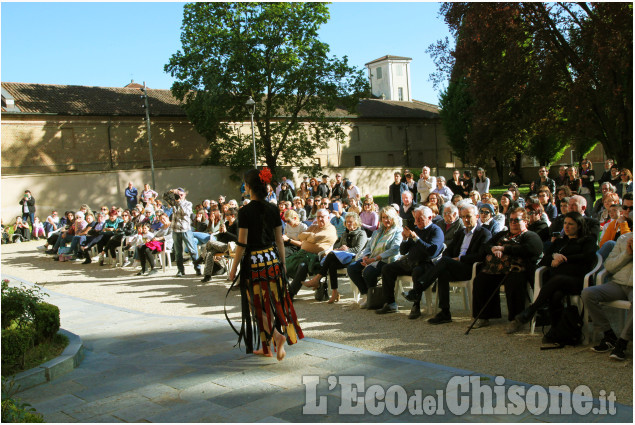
[{"x": 271, "y": 52}]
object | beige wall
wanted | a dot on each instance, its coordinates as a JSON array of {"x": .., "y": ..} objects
[{"x": 67, "y": 191}]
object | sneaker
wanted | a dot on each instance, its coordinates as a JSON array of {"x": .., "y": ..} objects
[
  {"x": 388, "y": 308},
  {"x": 180, "y": 274},
  {"x": 441, "y": 317},
  {"x": 410, "y": 296},
  {"x": 206, "y": 279},
  {"x": 198, "y": 272},
  {"x": 618, "y": 352},
  {"x": 42, "y": 248},
  {"x": 152, "y": 271},
  {"x": 363, "y": 302},
  {"x": 87, "y": 261},
  {"x": 481, "y": 323},
  {"x": 126, "y": 262},
  {"x": 219, "y": 271},
  {"x": 50, "y": 252},
  {"x": 101, "y": 260},
  {"x": 140, "y": 273},
  {"x": 607, "y": 344}
]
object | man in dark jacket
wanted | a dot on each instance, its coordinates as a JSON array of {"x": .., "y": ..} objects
[
  {"x": 456, "y": 264},
  {"x": 396, "y": 189},
  {"x": 420, "y": 245},
  {"x": 28, "y": 206},
  {"x": 407, "y": 208}
]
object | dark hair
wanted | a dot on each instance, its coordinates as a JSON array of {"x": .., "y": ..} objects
[
  {"x": 628, "y": 196},
  {"x": 252, "y": 178},
  {"x": 233, "y": 212},
  {"x": 468, "y": 174},
  {"x": 533, "y": 204},
  {"x": 579, "y": 220},
  {"x": 478, "y": 179}
]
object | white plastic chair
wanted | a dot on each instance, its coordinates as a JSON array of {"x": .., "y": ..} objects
[{"x": 540, "y": 271}]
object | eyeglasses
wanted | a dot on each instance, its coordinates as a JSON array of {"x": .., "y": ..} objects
[
  {"x": 485, "y": 212},
  {"x": 533, "y": 212},
  {"x": 516, "y": 220},
  {"x": 627, "y": 207}
]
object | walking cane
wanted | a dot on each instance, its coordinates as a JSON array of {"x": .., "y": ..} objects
[{"x": 478, "y": 316}]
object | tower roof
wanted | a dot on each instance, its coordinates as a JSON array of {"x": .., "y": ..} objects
[{"x": 389, "y": 57}]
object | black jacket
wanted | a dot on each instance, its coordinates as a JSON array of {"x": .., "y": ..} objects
[
  {"x": 541, "y": 228},
  {"x": 29, "y": 202},
  {"x": 528, "y": 246},
  {"x": 474, "y": 251},
  {"x": 428, "y": 246}
]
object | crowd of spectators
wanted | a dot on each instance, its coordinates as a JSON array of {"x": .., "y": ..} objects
[{"x": 434, "y": 229}]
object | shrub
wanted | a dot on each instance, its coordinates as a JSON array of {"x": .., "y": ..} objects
[
  {"x": 14, "y": 410},
  {"x": 18, "y": 304},
  {"x": 46, "y": 319},
  {"x": 15, "y": 342}
]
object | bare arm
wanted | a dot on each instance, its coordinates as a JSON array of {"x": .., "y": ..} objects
[{"x": 240, "y": 250}]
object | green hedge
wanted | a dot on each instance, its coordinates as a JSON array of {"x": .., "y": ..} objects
[
  {"x": 46, "y": 319},
  {"x": 15, "y": 343}
]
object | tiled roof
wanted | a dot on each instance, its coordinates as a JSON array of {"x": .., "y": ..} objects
[
  {"x": 86, "y": 100},
  {"x": 389, "y": 57},
  {"x": 116, "y": 101}
]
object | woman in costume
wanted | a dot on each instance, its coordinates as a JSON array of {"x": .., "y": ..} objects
[{"x": 266, "y": 304}]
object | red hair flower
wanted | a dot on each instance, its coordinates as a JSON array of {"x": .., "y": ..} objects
[{"x": 265, "y": 175}]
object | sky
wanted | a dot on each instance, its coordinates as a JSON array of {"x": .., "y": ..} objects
[{"x": 110, "y": 44}]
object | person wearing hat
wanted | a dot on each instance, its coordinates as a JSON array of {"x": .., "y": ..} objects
[
  {"x": 323, "y": 189},
  {"x": 486, "y": 218}
]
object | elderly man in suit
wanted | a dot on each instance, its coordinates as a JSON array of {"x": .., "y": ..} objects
[
  {"x": 456, "y": 264},
  {"x": 420, "y": 245}
]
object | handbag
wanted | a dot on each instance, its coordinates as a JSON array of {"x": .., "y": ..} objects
[
  {"x": 322, "y": 292},
  {"x": 375, "y": 297}
]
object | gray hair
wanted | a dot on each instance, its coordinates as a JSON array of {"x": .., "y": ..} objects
[
  {"x": 441, "y": 179},
  {"x": 611, "y": 187},
  {"x": 425, "y": 210},
  {"x": 471, "y": 207},
  {"x": 464, "y": 203},
  {"x": 320, "y": 210},
  {"x": 451, "y": 206}
]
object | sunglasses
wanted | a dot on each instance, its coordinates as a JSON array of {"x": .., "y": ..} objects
[
  {"x": 627, "y": 207},
  {"x": 516, "y": 220},
  {"x": 533, "y": 212},
  {"x": 484, "y": 212}
]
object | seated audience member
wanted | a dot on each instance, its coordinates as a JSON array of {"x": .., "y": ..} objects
[
  {"x": 396, "y": 189},
  {"x": 546, "y": 200},
  {"x": 124, "y": 229},
  {"x": 621, "y": 226},
  {"x": 615, "y": 175},
  {"x": 317, "y": 204},
  {"x": 510, "y": 259},
  {"x": 317, "y": 238},
  {"x": 481, "y": 181},
  {"x": 456, "y": 184},
  {"x": 486, "y": 218},
  {"x": 308, "y": 206},
  {"x": 228, "y": 232},
  {"x": 64, "y": 224},
  {"x": 369, "y": 218},
  {"x": 82, "y": 226},
  {"x": 573, "y": 180},
  {"x": 298, "y": 204},
  {"x": 567, "y": 260},
  {"x": 338, "y": 219},
  {"x": 451, "y": 222},
  {"x": 561, "y": 178},
  {"x": 598, "y": 206},
  {"x": 286, "y": 193},
  {"x": 406, "y": 210},
  {"x": 292, "y": 230},
  {"x": 455, "y": 264},
  {"x": 497, "y": 215},
  {"x": 543, "y": 180},
  {"x": 161, "y": 241},
  {"x": 143, "y": 251},
  {"x": 537, "y": 223},
  {"x": 434, "y": 199},
  {"x": 516, "y": 195},
  {"x": 562, "y": 192},
  {"x": 555, "y": 230},
  {"x": 51, "y": 223},
  {"x": 303, "y": 192},
  {"x": 324, "y": 189},
  {"x": 21, "y": 230},
  {"x": 93, "y": 237},
  {"x": 577, "y": 203},
  {"x": 619, "y": 286},
  {"x": 418, "y": 248},
  {"x": 443, "y": 190},
  {"x": 382, "y": 249},
  {"x": 38, "y": 229},
  {"x": 614, "y": 214},
  {"x": 608, "y": 199},
  {"x": 344, "y": 250},
  {"x": 456, "y": 199},
  {"x": 506, "y": 203},
  {"x": 625, "y": 184}
]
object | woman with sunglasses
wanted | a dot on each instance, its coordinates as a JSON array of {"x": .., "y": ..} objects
[
  {"x": 568, "y": 259},
  {"x": 625, "y": 184},
  {"x": 537, "y": 224}
]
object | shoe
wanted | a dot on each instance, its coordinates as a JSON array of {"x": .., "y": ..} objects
[
  {"x": 56, "y": 258},
  {"x": 141, "y": 273},
  {"x": 387, "y": 308},
  {"x": 514, "y": 326},
  {"x": 607, "y": 344},
  {"x": 441, "y": 317},
  {"x": 126, "y": 263},
  {"x": 198, "y": 261},
  {"x": 87, "y": 261},
  {"x": 42, "y": 248},
  {"x": 335, "y": 297},
  {"x": 481, "y": 323},
  {"x": 50, "y": 252},
  {"x": 152, "y": 271},
  {"x": 618, "y": 352},
  {"x": 410, "y": 296},
  {"x": 415, "y": 312},
  {"x": 364, "y": 303},
  {"x": 180, "y": 274},
  {"x": 219, "y": 271},
  {"x": 101, "y": 260},
  {"x": 206, "y": 278},
  {"x": 198, "y": 272},
  {"x": 361, "y": 300}
]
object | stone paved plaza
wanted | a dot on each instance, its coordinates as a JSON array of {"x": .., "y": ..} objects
[{"x": 141, "y": 367}]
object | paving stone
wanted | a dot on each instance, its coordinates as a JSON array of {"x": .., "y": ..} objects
[
  {"x": 203, "y": 391},
  {"x": 158, "y": 390},
  {"x": 104, "y": 406},
  {"x": 241, "y": 379},
  {"x": 57, "y": 404},
  {"x": 189, "y": 412},
  {"x": 243, "y": 395},
  {"x": 138, "y": 412},
  {"x": 58, "y": 417}
]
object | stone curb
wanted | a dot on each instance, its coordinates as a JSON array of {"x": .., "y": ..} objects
[{"x": 70, "y": 358}]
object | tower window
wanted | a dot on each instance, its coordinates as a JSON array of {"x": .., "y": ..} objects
[{"x": 378, "y": 69}]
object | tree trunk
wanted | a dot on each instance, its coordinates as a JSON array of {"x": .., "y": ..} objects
[{"x": 500, "y": 171}]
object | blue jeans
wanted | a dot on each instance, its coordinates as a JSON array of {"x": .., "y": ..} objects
[
  {"x": 180, "y": 238},
  {"x": 606, "y": 249},
  {"x": 61, "y": 241},
  {"x": 201, "y": 238},
  {"x": 28, "y": 216},
  {"x": 364, "y": 277},
  {"x": 75, "y": 243}
]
